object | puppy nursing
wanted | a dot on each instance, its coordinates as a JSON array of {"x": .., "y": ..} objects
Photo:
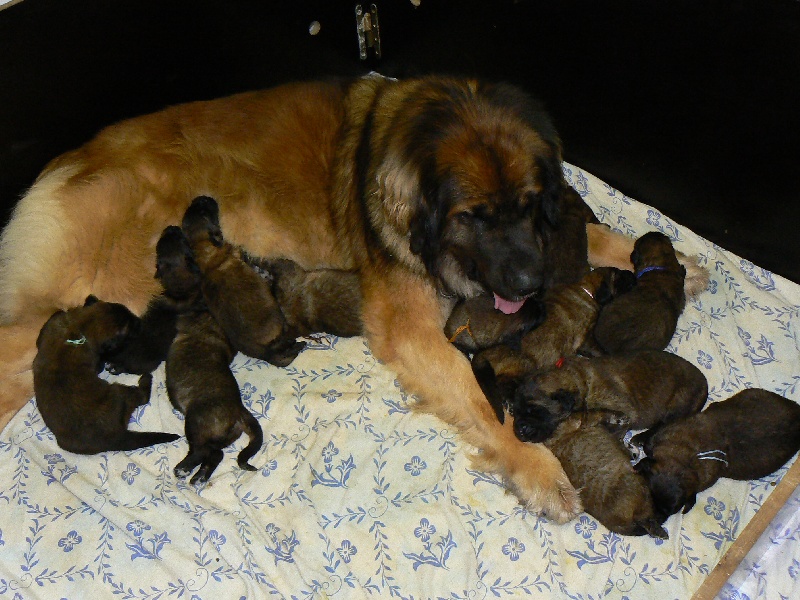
[
  {"x": 199, "y": 381},
  {"x": 238, "y": 297},
  {"x": 86, "y": 414}
]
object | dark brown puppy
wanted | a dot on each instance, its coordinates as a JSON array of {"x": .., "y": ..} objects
[
  {"x": 549, "y": 332},
  {"x": 645, "y": 319},
  {"x": 240, "y": 300},
  {"x": 320, "y": 300},
  {"x": 86, "y": 414},
  {"x": 599, "y": 467},
  {"x": 643, "y": 389},
  {"x": 748, "y": 436},
  {"x": 198, "y": 376}
]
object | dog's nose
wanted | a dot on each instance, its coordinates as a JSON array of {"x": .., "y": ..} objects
[{"x": 523, "y": 282}]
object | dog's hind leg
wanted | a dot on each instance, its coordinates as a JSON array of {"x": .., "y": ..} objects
[
  {"x": 253, "y": 430},
  {"x": 208, "y": 465},
  {"x": 404, "y": 324}
]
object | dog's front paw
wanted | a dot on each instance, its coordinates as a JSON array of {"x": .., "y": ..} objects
[{"x": 541, "y": 485}]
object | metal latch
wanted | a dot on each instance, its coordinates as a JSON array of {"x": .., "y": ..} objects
[{"x": 369, "y": 32}]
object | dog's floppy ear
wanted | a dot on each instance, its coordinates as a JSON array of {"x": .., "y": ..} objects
[
  {"x": 91, "y": 299},
  {"x": 553, "y": 189},
  {"x": 426, "y": 223}
]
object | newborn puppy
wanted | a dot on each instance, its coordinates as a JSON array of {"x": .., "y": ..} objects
[
  {"x": 645, "y": 318},
  {"x": 322, "y": 300},
  {"x": 569, "y": 314},
  {"x": 748, "y": 436},
  {"x": 599, "y": 467},
  {"x": 199, "y": 381},
  {"x": 642, "y": 389},
  {"x": 240, "y": 300},
  {"x": 86, "y": 414}
]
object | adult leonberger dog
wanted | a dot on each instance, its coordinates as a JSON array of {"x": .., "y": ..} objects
[{"x": 430, "y": 188}]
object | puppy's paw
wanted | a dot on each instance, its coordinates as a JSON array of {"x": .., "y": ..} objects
[
  {"x": 697, "y": 276},
  {"x": 182, "y": 472}
]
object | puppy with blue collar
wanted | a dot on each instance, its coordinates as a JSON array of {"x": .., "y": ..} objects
[{"x": 646, "y": 317}]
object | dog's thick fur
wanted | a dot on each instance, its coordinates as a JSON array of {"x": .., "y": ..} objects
[
  {"x": 199, "y": 381},
  {"x": 239, "y": 299},
  {"x": 643, "y": 388},
  {"x": 748, "y": 436},
  {"x": 645, "y": 319},
  {"x": 86, "y": 414},
  {"x": 599, "y": 466},
  {"x": 422, "y": 186}
]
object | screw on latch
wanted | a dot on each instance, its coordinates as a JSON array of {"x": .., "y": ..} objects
[{"x": 369, "y": 32}]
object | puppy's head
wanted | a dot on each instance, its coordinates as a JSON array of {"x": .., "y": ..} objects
[
  {"x": 673, "y": 489},
  {"x": 201, "y": 221},
  {"x": 537, "y": 414},
  {"x": 175, "y": 264},
  {"x": 654, "y": 249},
  {"x": 104, "y": 325}
]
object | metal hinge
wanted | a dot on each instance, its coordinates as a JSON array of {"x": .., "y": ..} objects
[{"x": 369, "y": 31}]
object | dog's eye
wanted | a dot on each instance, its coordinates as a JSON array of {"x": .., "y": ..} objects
[{"x": 464, "y": 217}]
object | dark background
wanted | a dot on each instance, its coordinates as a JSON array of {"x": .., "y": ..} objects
[{"x": 690, "y": 106}]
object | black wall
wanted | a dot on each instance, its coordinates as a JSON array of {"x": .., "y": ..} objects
[{"x": 688, "y": 105}]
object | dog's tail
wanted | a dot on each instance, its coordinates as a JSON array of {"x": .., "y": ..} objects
[
  {"x": 133, "y": 440},
  {"x": 253, "y": 430}
]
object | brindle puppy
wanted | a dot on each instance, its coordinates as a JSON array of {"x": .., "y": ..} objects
[
  {"x": 319, "y": 300},
  {"x": 570, "y": 309},
  {"x": 748, "y": 436},
  {"x": 86, "y": 414},
  {"x": 599, "y": 467},
  {"x": 645, "y": 319},
  {"x": 239, "y": 298},
  {"x": 199, "y": 380},
  {"x": 643, "y": 389}
]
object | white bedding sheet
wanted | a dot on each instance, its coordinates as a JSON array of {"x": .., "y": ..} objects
[{"x": 357, "y": 496}]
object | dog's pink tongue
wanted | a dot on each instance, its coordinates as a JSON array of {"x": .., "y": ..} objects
[{"x": 507, "y": 306}]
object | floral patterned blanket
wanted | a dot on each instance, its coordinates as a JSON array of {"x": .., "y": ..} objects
[{"x": 356, "y": 496}]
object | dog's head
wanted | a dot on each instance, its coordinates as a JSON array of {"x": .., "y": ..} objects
[
  {"x": 472, "y": 173},
  {"x": 537, "y": 414},
  {"x": 175, "y": 264},
  {"x": 654, "y": 249},
  {"x": 201, "y": 221},
  {"x": 101, "y": 327},
  {"x": 673, "y": 488}
]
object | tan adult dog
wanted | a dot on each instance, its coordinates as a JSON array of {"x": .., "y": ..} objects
[{"x": 429, "y": 188}]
